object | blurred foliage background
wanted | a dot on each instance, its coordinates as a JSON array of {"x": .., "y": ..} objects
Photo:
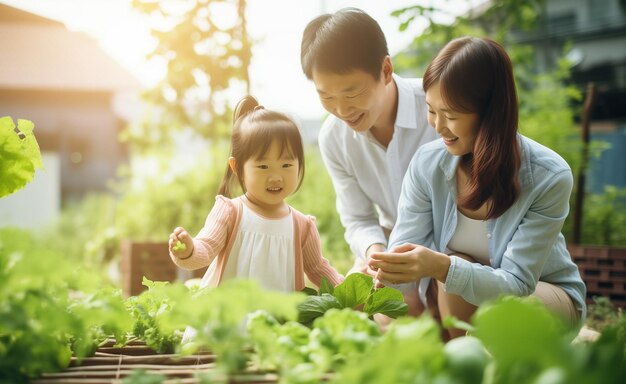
[{"x": 208, "y": 59}]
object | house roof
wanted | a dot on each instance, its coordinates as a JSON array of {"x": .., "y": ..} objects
[{"x": 39, "y": 53}]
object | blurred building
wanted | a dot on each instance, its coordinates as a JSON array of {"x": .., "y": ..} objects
[
  {"x": 68, "y": 86},
  {"x": 596, "y": 31}
]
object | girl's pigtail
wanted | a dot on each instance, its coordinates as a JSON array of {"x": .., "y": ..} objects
[
  {"x": 243, "y": 107},
  {"x": 227, "y": 182}
]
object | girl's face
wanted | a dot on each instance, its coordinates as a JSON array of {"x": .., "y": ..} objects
[
  {"x": 458, "y": 130},
  {"x": 270, "y": 179}
]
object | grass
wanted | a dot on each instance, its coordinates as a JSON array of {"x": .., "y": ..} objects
[{"x": 602, "y": 313}]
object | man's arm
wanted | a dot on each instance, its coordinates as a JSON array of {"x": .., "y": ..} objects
[{"x": 356, "y": 211}]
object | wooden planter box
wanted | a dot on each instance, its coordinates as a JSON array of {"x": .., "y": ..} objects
[
  {"x": 603, "y": 270},
  {"x": 151, "y": 260},
  {"x": 112, "y": 365}
]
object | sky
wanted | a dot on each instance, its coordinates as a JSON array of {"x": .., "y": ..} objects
[{"x": 276, "y": 26}]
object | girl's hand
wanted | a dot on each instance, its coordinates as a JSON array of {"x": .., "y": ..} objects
[
  {"x": 180, "y": 243},
  {"x": 408, "y": 263}
]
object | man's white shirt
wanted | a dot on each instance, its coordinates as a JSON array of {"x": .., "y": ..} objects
[{"x": 367, "y": 177}]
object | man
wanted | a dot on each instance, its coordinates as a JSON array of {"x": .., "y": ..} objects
[{"x": 377, "y": 121}]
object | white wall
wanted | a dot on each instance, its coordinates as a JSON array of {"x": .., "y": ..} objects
[{"x": 39, "y": 202}]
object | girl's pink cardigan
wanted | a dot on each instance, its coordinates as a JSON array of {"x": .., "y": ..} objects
[{"x": 219, "y": 233}]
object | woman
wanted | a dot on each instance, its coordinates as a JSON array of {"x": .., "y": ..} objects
[{"x": 481, "y": 210}]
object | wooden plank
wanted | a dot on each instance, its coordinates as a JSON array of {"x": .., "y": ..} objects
[{"x": 171, "y": 359}]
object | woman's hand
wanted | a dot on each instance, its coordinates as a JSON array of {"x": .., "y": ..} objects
[
  {"x": 409, "y": 262},
  {"x": 180, "y": 235}
]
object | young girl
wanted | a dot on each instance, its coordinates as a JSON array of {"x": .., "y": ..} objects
[{"x": 257, "y": 235}]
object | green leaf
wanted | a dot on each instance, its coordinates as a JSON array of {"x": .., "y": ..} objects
[
  {"x": 219, "y": 313},
  {"x": 452, "y": 322},
  {"x": 309, "y": 291},
  {"x": 410, "y": 351},
  {"x": 326, "y": 287},
  {"x": 315, "y": 306},
  {"x": 341, "y": 335},
  {"x": 392, "y": 308},
  {"x": 387, "y": 301},
  {"x": 19, "y": 155},
  {"x": 354, "y": 290},
  {"x": 521, "y": 332}
]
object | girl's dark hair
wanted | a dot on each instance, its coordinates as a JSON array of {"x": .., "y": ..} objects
[
  {"x": 475, "y": 75},
  {"x": 342, "y": 42},
  {"x": 254, "y": 130}
]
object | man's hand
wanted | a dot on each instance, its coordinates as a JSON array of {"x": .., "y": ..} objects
[{"x": 374, "y": 248}]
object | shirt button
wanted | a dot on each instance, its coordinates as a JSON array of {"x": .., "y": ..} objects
[{"x": 489, "y": 235}]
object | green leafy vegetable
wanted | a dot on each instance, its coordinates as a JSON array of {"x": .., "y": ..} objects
[
  {"x": 309, "y": 291},
  {"x": 387, "y": 301},
  {"x": 50, "y": 308},
  {"x": 278, "y": 346},
  {"x": 342, "y": 334},
  {"x": 102, "y": 314},
  {"x": 355, "y": 291},
  {"x": 523, "y": 337},
  {"x": 466, "y": 359},
  {"x": 315, "y": 306},
  {"x": 148, "y": 310},
  {"x": 410, "y": 351},
  {"x": 19, "y": 155},
  {"x": 179, "y": 246},
  {"x": 326, "y": 286},
  {"x": 219, "y": 316}
]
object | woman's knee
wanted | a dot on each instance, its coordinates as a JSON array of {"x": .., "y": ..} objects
[{"x": 557, "y": 301}]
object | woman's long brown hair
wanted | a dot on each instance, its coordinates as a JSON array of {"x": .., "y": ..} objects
[{"x": 475, "y": 75}]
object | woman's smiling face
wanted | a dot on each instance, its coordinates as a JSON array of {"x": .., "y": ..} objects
[{"x": 457, "y": 129}]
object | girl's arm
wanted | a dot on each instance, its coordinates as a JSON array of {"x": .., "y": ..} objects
[
  {"x": 211, "y": 239},
  {"x": 315, "y": 265}
]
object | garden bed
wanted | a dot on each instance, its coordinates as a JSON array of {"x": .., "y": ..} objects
[
  {"x": 150, "y": 260},
  {"x": 112, "y": 364}
]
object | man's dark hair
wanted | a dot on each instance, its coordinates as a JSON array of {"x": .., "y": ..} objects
[{"x": 347, "y": 40}]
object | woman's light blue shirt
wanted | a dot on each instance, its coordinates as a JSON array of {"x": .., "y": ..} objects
[{"x": 525, "y": 243}]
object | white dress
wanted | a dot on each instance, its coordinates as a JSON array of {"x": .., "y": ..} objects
[{"x": 263, "y": 251}]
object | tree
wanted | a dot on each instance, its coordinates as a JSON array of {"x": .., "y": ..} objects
[
  {"x": 206, "y": 49},
  {"x": 547, "y": 102}
]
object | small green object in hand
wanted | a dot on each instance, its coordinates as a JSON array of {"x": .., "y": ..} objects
[{"x": 179, "y": 246}]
